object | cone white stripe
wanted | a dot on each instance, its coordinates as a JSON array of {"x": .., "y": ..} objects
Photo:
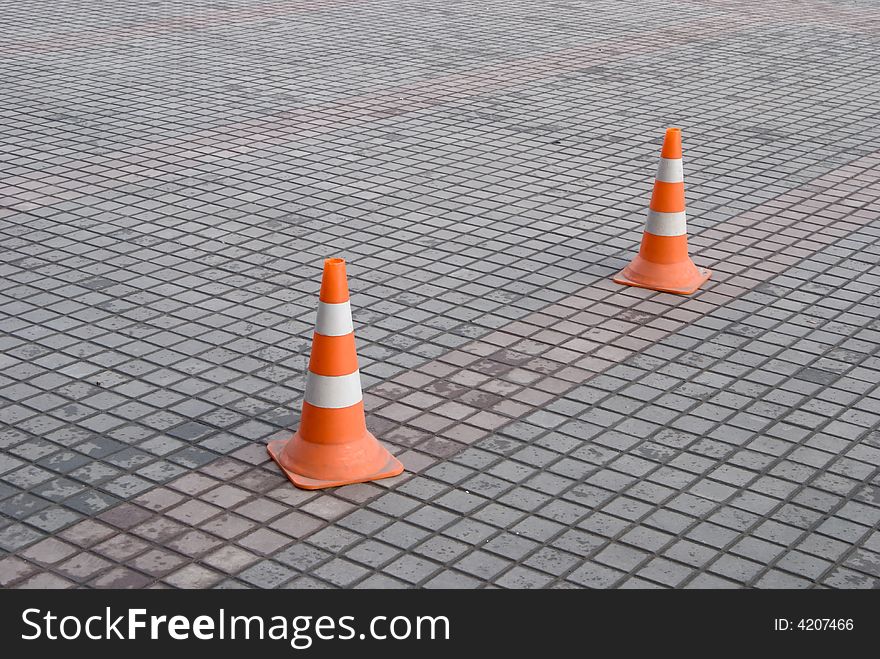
[
  {"x": 670, "y": 171},
  {"x": 666, "y": 224},
  {"x": 334, "y": 319},
  {"x": 333, "y": 391}
]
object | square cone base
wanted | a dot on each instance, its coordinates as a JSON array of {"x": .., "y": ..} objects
[
  {"x": 704, "y": 275},
  {"x": 392, "y": 467}
]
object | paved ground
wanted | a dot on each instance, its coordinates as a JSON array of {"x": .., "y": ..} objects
[{"x": 175, "y": 172}]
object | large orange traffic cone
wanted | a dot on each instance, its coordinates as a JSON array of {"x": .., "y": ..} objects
[
  {"x": 333, "y": 446},
  {"x": 662, "y": 263}
]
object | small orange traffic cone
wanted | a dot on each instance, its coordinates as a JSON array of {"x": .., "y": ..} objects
[
  {"x": 333, "y": 446},
  {"x": 662, "y": 263}
]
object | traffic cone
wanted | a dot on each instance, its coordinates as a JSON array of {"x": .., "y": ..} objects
[
  {"x": 333, "y": 446},
  {"x": 662, "y": 263}
]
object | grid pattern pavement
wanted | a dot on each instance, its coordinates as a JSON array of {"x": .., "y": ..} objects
[{"x": 174, "y": 174}]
